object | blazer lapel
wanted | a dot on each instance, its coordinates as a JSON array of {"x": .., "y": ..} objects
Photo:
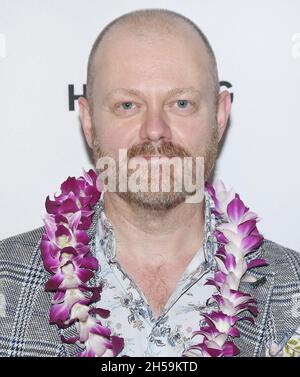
[{"x": 251, "y": 340}]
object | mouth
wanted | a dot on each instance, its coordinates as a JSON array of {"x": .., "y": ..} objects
[{"x": 153, "y": 156}]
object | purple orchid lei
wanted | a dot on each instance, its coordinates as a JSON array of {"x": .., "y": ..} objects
[
  {"x": 237, "y": 237},
  {"x": 66, "y": 256}
]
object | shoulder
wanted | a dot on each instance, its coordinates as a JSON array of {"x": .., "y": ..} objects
[
  {"x": 283, "y": 261},
  {"x": 29, "y": 237},
  {"x": 20, "y": 248}
]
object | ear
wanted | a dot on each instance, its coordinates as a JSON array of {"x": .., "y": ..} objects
[
  {"x": 86, "y": 120},
  {"x": 223, "y": 111}
]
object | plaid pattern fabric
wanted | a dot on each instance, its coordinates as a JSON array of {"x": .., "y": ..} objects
[{"x": 24, "y": 326}]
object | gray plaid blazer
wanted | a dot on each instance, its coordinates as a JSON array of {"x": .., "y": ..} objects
[{"x": 24, "y": 314}]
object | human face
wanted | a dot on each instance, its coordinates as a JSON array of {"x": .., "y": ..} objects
[{"x": 154, "y": 92}]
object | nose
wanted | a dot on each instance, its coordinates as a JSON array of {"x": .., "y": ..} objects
[{"x": 155, "y": 128}]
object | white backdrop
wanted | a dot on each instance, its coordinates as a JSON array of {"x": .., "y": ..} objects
[{"x": 44, "y": 47}]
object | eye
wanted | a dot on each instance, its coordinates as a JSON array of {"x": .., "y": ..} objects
[
  {"x": 127, "y": 105},
  {"x": 126, "y": 108},
  {"x": 182, "y": 103},
  {"x": 183, "y": 106}
]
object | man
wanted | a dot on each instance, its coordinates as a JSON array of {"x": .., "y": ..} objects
[{"x": 152, "y": 89}]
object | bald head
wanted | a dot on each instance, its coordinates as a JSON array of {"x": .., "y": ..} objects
[{"x": 144, "y": 24}]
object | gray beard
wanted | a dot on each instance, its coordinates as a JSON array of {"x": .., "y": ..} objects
[
  {"x": 153, "y": 200},
  {"x": 164, "y": 200}
]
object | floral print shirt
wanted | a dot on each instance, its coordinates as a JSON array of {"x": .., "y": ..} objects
[{"x": 130, "y": 313}]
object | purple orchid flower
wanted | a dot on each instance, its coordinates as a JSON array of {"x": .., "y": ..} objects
[
  {"x": 237, "y": 236},
  {"x": 66, "y": 256}
]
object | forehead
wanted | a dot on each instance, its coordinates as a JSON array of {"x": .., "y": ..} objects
[{"x": 128, "y": 59}]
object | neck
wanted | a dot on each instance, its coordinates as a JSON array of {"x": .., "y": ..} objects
[{"x": 149, "y": 237}]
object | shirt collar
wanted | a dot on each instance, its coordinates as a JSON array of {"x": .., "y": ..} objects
[{"x": 107, "y": 237}]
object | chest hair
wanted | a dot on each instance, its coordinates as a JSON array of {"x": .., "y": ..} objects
[{"x": 156, "y": 283}]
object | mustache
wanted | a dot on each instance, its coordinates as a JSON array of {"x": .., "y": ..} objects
[{"x": 167, "y": 149}]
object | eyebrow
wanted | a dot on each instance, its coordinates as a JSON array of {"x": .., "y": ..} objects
[{"x": 137, "y": 92}]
